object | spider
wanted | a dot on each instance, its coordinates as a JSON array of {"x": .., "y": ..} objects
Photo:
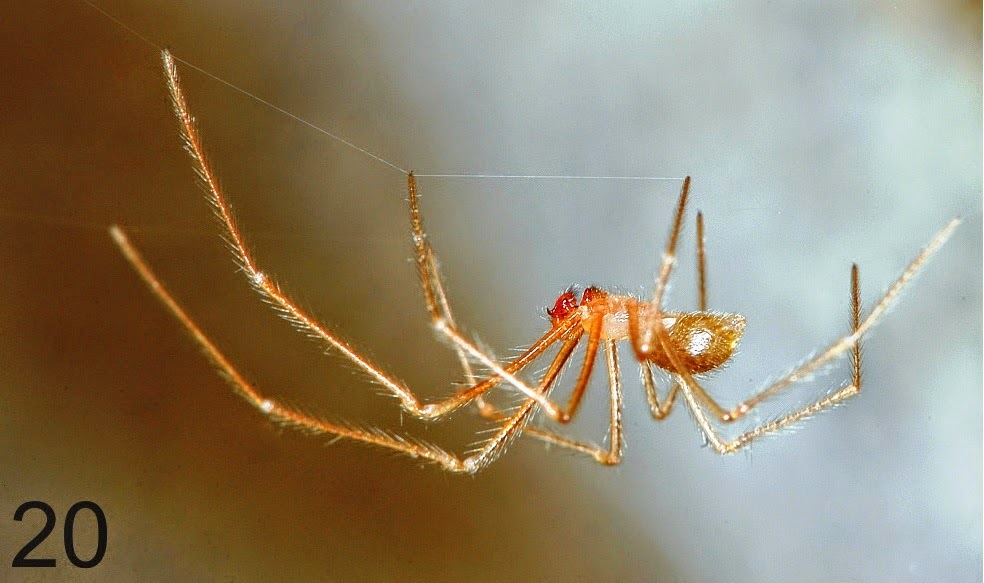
[{"x": 683, "y": 344}]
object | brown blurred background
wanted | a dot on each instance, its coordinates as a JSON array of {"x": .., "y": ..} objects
[{"x": 816, "y": 136}]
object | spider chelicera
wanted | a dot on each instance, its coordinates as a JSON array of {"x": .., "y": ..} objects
[{"x": 683, "y": 344}]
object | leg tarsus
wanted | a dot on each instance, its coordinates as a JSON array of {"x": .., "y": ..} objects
[
  {"x": 701, "y": 281},
  {"x": 856, "y": 324}
]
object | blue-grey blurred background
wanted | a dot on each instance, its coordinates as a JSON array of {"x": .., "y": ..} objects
[{"x": 818, "y": 134}]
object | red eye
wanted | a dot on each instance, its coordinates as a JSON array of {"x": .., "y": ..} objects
[
  {"x": 564, "y": 305},
  {"x": 591, "y": 294}
]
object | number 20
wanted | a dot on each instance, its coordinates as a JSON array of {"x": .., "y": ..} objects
[{"x": 21, "y": 560}]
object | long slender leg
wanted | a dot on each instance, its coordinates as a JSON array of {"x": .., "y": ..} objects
[
  {"x": 827, "y": 402},
  {"x": 647, "y": 335},
  {"x": 616, "y": 439},
  {"x": 856, "y": 325},
  {"x": 440, "y": 311},
  {"x": 501, "y": 374},
  {"x": 470, "y": 376},
  {"x": 515, "y": 424},
  {"x": 431, "y": 283},
  {"x": 435, "y": 298},
  {"x": 701, "y": 281},
  {"x": 839, "y": 396},
  {"x": 493, "y": 413},
  {"x": 727, "y": 447},
  {"x": 550, "y": 408},
  {"x": 833, "y": 351},
  {"x": 613, "y": 454},
  {"x": 272, "y": 409},
  {"x": 644, "y": 342},
  {"x": 659, "y": 409},
  {"x": 551, "y": 437},
  {"x": 452, "y": 403},
  {"x": 282, "y": 414},
  {"x": 590, "y": 355},
  {"x": 290, "y": 311}
]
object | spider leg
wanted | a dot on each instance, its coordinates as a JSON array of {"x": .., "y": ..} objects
[
  {"x": 833, "y": 351},
  {"x": 516, "y": 422},
  {"x": 601, "y": 455},
  {"x": 590, "y": 355},
  {"x": 279, "y": 413},
  {"x": 645, "y": 342},
  {"x": 275, "y": 411},
  {"x": 432, "y": 284},
  {"x": 493, "y": 413},
  {"x": 439, "y": 308},
  {"x": 727, "y": 447},
  {"x": 659, "y": 409},
  {"x": 440, "y": 311},
  {"x": 616, "y": 441},
  {"x": 827, "y": 402},
  {"x": 291, "y": 312},
  {"x": 855, "y": 325},
  {"x": 551, "y": 409},
  {"x": 616, "y": 438},
  {"x": 669, "y": 256},
  {"x": 701, "y": 281}
]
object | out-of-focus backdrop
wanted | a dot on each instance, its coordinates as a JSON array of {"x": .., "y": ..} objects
[{"x": 817, "y": 135}]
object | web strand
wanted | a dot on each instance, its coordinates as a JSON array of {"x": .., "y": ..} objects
[
  {"x": 342, "y": 140},
  {"x": 244, "y": 92},
  {"x": 546, "y": 177}
]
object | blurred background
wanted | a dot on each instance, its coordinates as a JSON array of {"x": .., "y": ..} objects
[{"x": 817, "y": 135}]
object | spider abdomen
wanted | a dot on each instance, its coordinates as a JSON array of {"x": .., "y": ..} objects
[{"x": 702, "y": 341}]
